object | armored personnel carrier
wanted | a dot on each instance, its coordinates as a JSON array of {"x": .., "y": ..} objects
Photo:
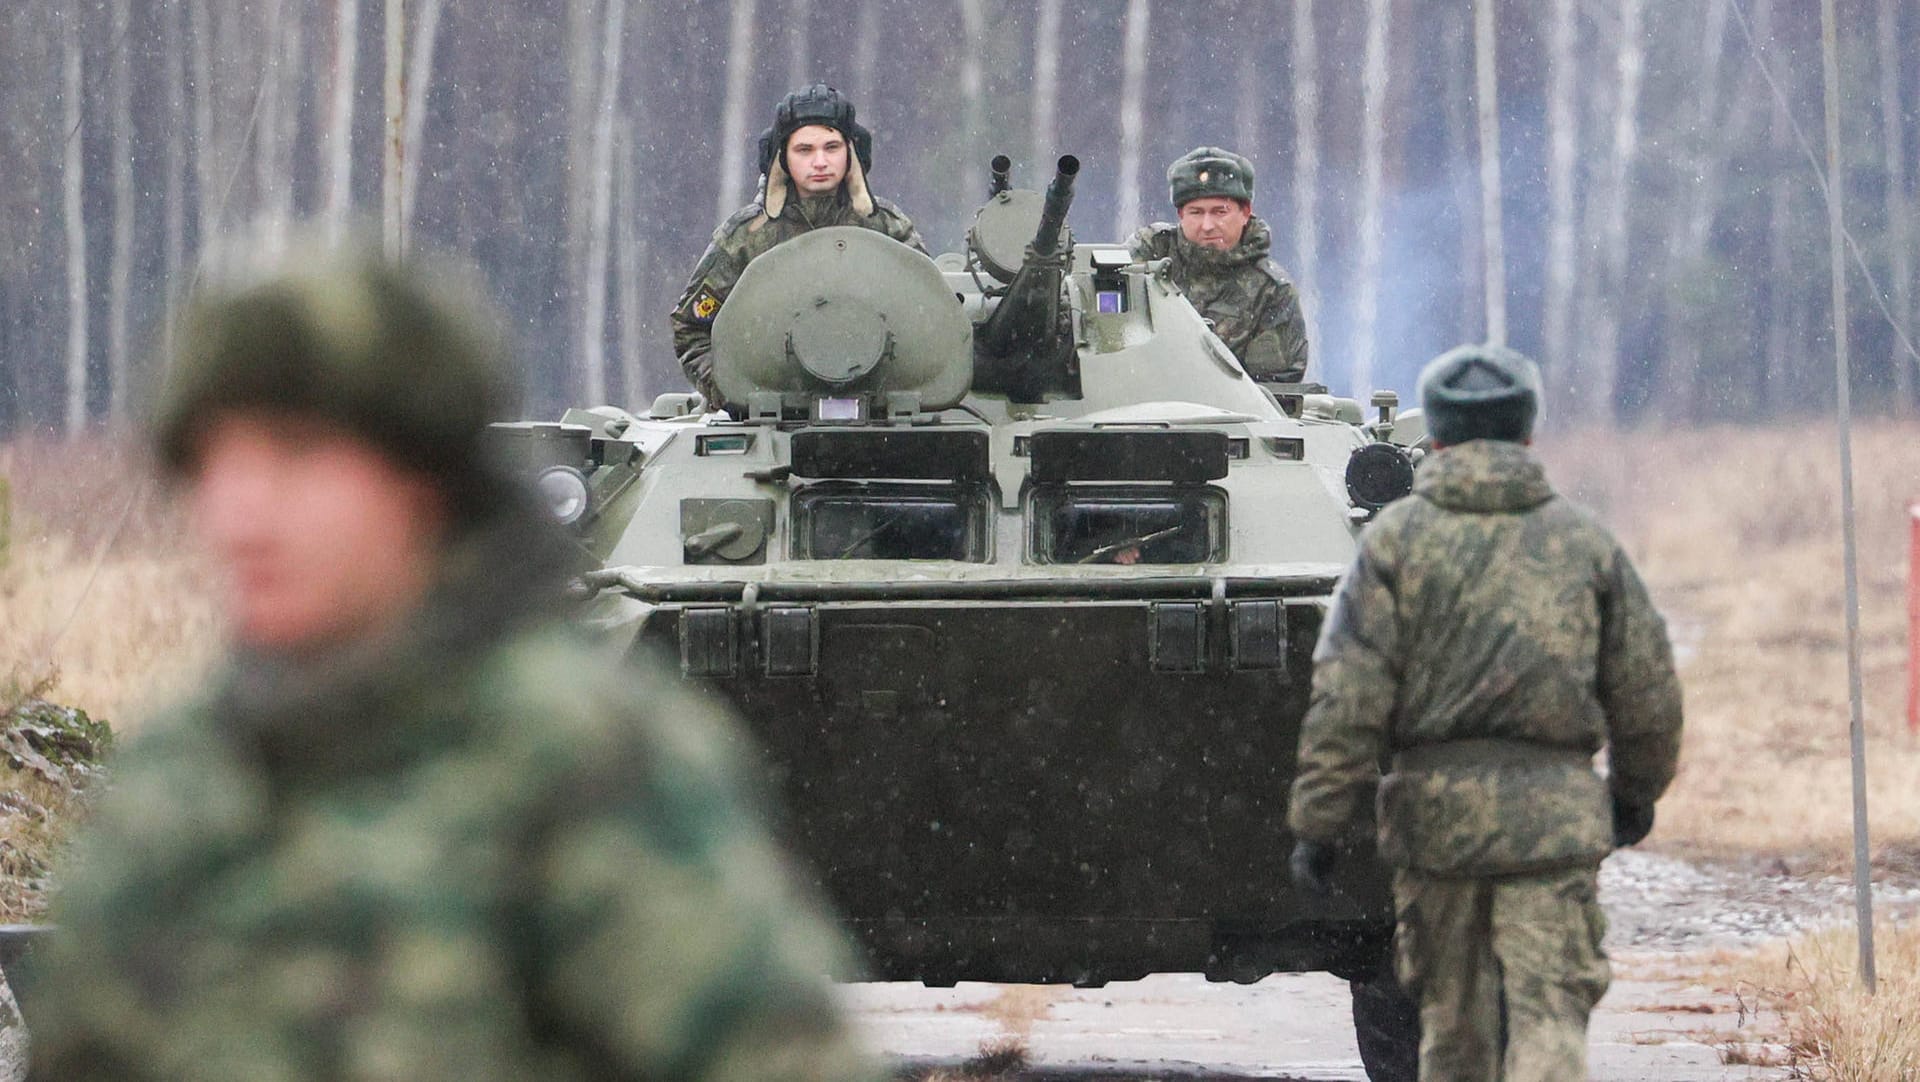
[{"x": 1016, "y": 575}]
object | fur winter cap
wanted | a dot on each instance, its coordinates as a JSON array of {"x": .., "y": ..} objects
[
  {"x": 1209, "y": 171},
  {"x": 1480, "y": 393},
  {"x": 387, "y": 352}
]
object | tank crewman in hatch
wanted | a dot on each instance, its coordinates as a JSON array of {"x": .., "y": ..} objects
[
  {"x": 1219, "y": 253},
  {"x": 814, "y": 162},
  {"x": 413, "y": 828},
  {"x": 1491, "y": 637}
]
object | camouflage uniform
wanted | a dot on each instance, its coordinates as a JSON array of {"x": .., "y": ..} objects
[
  {"x": 1491, "y": 638},
  {"x": 466, "y": 848},
  {"x": 1254, "y": 308},
  {"x": 745, "y": 237}
]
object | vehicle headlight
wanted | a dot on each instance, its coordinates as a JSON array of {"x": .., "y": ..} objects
[
  {"x": 563, "y": 490},
  {"x": 1379, "y": 474}
]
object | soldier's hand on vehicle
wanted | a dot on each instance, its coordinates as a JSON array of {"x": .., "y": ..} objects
[
  {"x": 1631, "y": 822},
  {"x": 1312, "y": 866}
]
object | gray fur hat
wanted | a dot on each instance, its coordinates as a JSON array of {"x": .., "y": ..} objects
[
  {"x": 1205, "y": 171},
  {"x": 1483, "y": 392}
]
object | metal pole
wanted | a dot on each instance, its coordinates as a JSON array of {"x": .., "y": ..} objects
[
  {"x": 393, "y": 230},
  {"x": 1836, "y": 240}
]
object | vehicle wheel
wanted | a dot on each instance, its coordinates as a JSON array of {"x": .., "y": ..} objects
[{"x": 1386, "y": 1024}]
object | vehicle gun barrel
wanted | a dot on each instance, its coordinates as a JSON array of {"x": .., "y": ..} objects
[
  {"x": 1001, "y": 177},
  {"x": 1053, "y": 215}
]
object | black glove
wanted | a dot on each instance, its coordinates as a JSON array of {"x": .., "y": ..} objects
[
  {"x": 1312, "y": 866},
  {"x": 1631, "y": 822}
]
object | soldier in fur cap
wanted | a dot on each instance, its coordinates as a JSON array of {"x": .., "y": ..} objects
[
  {"x": 1218, "y": 256},
  {"x": 814, "y": 161}
]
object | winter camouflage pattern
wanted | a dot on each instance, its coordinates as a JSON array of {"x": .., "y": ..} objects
[
  {"x": 745, "y": 237},
  {"x": 1507, "y": 972},
  {"x": 1254, "y": 308},
  {"x": 1484, "y": 608},
  {"x": 472, "y": 853}
]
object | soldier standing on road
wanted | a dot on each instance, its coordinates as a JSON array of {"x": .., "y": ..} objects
[
  {"x": 1219, "y": 259},
  {"x": 1491, "y": 638},
  {"x": 814, "y": 162},
  {"x": 413, "y": 829}
]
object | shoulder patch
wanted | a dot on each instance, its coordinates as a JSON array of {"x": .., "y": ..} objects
[{"x": 706, "y": 304}]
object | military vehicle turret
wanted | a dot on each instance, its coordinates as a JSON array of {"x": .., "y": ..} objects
[{"x": 1016, "y": 575}]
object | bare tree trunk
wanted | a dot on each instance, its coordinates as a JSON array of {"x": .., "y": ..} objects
[
  {"x": 1783, "y": 301},
  {"x": 288, "y": 73},
  {"x": 630, "y": 254},
  {"x": 733, "y": 115},
  {"x": 1046, "y": 82},
  {"x": 426, "y": 31},
  {"x": 1604, "y": 362},
  {"x": 973, "y": 94},
  {"x": 1494, "y": 247},
  {"x": 266, "y": 147},
  {"x": 175, "y": 243},
  {"x": 338, "y": 154},
  {"x": 593, "y": 333},
  {"x": 206, "y": 159},
  {"x": 866, "y": 53},
  {"x": 1248, "y": 107},
  {"x": 1899, "y": 227},
  {"x": 800, "y": 44},
  {"x": 73, "y": 173},
  {"x": 1563, "y": 142},
  {"x": 120, "y": 275},
  {"x": 1690, "y": 237},
  {"x": 1133, "y": 109},
  {"x": 394, "y": 227},
  {"x": 1306, "y": 160},
  {"x": 1470, "y": 316},
  {"x": 1372, "y": 200}
]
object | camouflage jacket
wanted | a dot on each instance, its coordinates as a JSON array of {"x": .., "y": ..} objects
[
  {"x": 1490, "y": 637},
  {"x": 476, "y": 852},
  {"x": 745, "y": 237},
  {"x": 1254, "y": 308}
]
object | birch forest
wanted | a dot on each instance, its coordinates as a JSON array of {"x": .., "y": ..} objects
[{"x": 1631, "y": 191}]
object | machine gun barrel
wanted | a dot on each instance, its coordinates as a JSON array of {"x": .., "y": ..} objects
[
  {"x": 1053, "y": 214},
  {"x": 1002, "y": 175},
  {"x": 1024, "y": 348}
]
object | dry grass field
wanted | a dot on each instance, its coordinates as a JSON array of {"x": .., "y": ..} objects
[{"x": 1738, "y": 534}]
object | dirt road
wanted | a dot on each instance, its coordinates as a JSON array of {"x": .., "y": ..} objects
[{"x": 1297, "y": 1026}]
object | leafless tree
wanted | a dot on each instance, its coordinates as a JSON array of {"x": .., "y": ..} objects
[
  {"x": 1602, "y": 361},
  {"x": 1373, "y": 228},
  {"x": 630, "y": 254},
  {"x": 1899, "y": 227},
  {"x": 1494, "y": 247},
  {"x": 1046, "y": 81},
  {"x": 1563, "y": 139},
  {"x": 1249, "y": 88},
  {"x": 866, "y": 53},
  {"x": 973, "y": 91},
  {"x": 800, "y": 43},
  {"x": 426, "y": 32},
  {"x": 338, "y": 141},
  {"x": 1470, "y": 319},
  {"x": 395, "y": 131},
  {"x": 73, "y": 209},
  {"x": 1133, "y": 79},
  {"x": 1306, "y": 159},
  {"x": 120, "y": 270},
  {"x": 173, "y": 254},
  {"x": 593, "y": 333},
  {"x": 733, "y": 115}
]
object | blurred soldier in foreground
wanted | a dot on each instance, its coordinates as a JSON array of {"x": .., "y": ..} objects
[
  {"x": 1490, "y": 637},
  {"x": 813, "y": 164},
  {"x": 1219, "y": 253},
  {"x": 412, "y": 830}
]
